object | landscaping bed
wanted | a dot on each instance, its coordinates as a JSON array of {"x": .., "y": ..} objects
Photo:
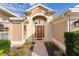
[
  {"x": 25, "y": 50},
  {"x": 53, "y": 50}
]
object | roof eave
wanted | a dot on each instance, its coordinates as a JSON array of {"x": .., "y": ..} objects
[
  {"x": 41, "y": 6},
  {"x": 7, "y": 12}
]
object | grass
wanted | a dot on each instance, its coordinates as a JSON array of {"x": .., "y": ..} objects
[{"x": 53, "y": 50}]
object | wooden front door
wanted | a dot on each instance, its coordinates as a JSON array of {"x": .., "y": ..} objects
[{"x": 39, "y": 32}]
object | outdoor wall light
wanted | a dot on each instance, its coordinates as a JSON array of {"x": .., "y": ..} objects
[{"x": 26, "y": 21}]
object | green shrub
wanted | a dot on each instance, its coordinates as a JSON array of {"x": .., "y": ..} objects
[
  {"x": 2, "y": 53},
  {"x": 72, "y": 43},
  {"x": 5, "y": 45}
]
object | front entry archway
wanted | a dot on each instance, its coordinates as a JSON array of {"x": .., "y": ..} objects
[{"x": 39, "y": 24}]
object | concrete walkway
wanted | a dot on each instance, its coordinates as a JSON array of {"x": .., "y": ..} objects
[{"x": 39, "y": 49}]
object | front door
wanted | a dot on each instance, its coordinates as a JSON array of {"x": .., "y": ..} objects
[{"x": 39, "y": 32}]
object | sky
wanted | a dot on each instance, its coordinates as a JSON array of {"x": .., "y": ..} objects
[{"x": 20, "y": 8}]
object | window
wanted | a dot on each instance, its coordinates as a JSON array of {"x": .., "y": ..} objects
[
  {"x": 39, "y": 20},
  {"x": 3, "y": 28},
  {"x": 76, "y": 23}
]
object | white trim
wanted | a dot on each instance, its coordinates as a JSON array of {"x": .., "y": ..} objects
[
  {"x": 59, "y": 21},
  {"x": 10, "y": 35},
  {"x": 61, "y": 46},
  {"x": 74, "y": 9},
  {"x": 16, "y": 18},
  {"x": 39, "y": 5},
  {"x": 23, "y": 40},
  {"x": 68, "y": 26},
  {"x": 12, "y": 31},
  {"x": 16, "y": 43}
]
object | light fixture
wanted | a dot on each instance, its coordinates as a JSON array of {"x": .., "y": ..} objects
[{"x": 26, "y": 21}]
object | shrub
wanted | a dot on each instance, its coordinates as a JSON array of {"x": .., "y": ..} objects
[
  {"x": 5, "y": 45},
  {"x": 24, "y": 49},
  {"x": 2, "y": 53},
  {"x": 72, "y": 43}
]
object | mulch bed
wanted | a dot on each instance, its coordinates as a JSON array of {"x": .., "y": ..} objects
[{"x": 51, "y": 49}]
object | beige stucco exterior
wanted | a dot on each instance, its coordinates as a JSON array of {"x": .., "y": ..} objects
[
  {"x": 58, "y": 31},
  {"x": 54, "y": 26},
  {"x": 17, "y": 29}
]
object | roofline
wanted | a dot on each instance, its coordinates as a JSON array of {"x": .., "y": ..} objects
[
  {"x": 40, "y": 5},
  {"x": 6, "y": 10},
  {"x": 62, "y": 16}
]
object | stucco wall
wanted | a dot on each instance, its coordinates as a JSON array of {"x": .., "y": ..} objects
[
  {"x": 58, "y": 31},
  {"x": 30, "y": 31},
  {"x": 49, "y": 32},
  {"x": 17, "y": 31}
]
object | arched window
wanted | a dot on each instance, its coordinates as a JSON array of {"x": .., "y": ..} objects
[{"x": 39, "y": 20}]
